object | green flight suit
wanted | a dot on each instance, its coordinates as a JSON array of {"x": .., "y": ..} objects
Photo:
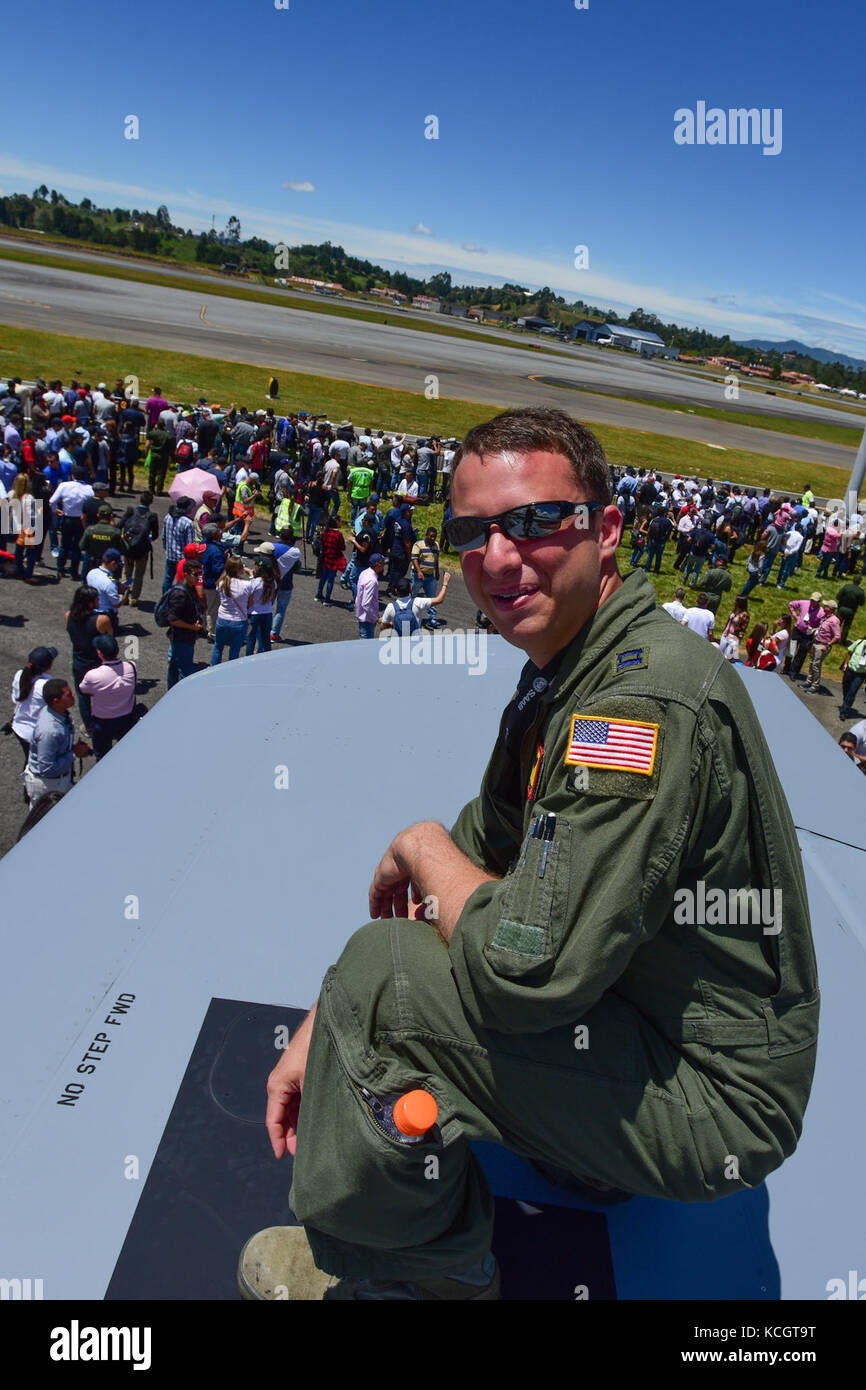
[{"x": 579, "y": 1017}]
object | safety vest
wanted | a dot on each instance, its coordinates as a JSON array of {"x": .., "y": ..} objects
[
  {"x": 204, "y": 510},
  {"x": 287, "y": 514},
  {"x": 244, "y": 504}
]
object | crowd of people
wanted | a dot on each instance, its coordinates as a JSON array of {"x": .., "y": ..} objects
[
  {"x": 67, "y": 450},
  {"x": 708, "y": 525}
]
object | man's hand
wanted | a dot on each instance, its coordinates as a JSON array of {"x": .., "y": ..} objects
[
  {"x": 82, "y": 749},
  {"x": 285, "y": 1084},
  {"x": 389, "y": 891},
  {"x": 426, "y": 860}
]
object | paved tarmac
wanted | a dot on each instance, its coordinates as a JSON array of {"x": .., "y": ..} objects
[
  {"x": 290, "y": 339},
  {"x": 32, "y": 616}
]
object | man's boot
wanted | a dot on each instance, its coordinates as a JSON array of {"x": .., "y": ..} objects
[{"x": 277, "y": 1264}]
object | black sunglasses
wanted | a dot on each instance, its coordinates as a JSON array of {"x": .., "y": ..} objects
[{"x": 519, "y": 523}]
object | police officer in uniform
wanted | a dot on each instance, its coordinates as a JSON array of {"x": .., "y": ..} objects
[{"x": 620, "y": 982}]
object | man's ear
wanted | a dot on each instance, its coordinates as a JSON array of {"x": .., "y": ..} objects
[{"x": 610, "y": 530}]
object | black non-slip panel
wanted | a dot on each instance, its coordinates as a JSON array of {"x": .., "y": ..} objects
[{"x": 214, "y": 1182}]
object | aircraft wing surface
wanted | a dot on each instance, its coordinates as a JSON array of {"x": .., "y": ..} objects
[{"x": 180, "y": 906}]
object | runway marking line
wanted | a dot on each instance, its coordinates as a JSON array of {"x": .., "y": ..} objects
[
  {"x": 22, "y": 300},
  {"x": 221, "y": 326}
]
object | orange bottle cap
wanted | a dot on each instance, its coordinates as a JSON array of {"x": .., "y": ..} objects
[{"x": 415, "y": 1113}]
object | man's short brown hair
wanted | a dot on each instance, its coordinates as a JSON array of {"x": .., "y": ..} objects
[{"x": 528, "y": 430}]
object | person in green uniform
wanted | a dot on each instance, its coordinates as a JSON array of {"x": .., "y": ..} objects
[
  {"x": 98, "y": 538},
  {"x": 609, "y": 966},
  {"x": 849, "y": 599},
  {"x": 160, "y": 446},
  {"x": 717, "y": 583}
]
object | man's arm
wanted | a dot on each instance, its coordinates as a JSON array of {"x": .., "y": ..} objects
[
  {"x": 285, "y": 1084},
  {"x": 426, "y": 860},
  {"x": 446, "y": 579}
]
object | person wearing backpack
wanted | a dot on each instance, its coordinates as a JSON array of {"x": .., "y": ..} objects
[
  {"x": 638, "y": 542},
  {"x": 702, "y": 540},
  {"x": 184, "y": 455},
  {"x": 657, "y": 536},
  {"x": 737, "y": 516},
  {"x": 139, "y": 527},
  {"x": 183, "y": 618},
  {"x": 333, "y": 559},
  {"x": 405, "y": 614}
]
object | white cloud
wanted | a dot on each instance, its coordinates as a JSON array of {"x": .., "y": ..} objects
[
  {"x": 470, "y": 246},
  {"x": 764, "y": 318},
  {"x": 304, "y": 187}
]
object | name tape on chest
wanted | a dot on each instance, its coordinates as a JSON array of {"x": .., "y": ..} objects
[{"x": 626, "y": 745}]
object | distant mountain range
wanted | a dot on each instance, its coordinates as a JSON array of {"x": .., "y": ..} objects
[{"x": 819, "y": 354}]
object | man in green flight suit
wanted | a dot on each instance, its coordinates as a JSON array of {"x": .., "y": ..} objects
[{"x": 619, "y": 982}]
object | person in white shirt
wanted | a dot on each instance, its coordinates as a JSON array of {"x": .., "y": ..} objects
[
  {"x": 67, "y": 501},
  {"x": 676, "y": 607},
  {"x": 408, "y": 487},
  {"x": 331, "y": 473},
  {"x": 265, "y": 585},
  {"x": 100, "y": 402},
  {"x": 339, "y": 450},
  {"x": 793, "y": 545},
  {"x": 235, "y": 593},
  {"x": 396, "y": 459},
  {"x": 406, "y": 614},
  {"x": 859, "y": 732},
  {"x": 782, "y": 638},
  {"x": 27, "y": 695},
  {"x": 700, "y": 619},
  {"x": 685, "y": 526},
  {"x": 447, "y": 460}
]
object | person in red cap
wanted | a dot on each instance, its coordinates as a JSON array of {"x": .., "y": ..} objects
[{"x": 192, "y": 551}]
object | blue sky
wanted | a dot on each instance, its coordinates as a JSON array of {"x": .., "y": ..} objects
[{"x": 556, "y": 129}]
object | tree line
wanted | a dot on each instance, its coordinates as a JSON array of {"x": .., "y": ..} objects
[{"x": 153, "y": 233}]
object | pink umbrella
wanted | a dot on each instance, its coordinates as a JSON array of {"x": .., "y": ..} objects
[{"x": 194, "y": 483}]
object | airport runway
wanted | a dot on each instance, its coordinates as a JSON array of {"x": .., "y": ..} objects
[{"x": 291, "y": 339}]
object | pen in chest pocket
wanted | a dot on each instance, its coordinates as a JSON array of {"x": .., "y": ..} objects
[
  {"x": 534, "y": 834},
  {"x": 549, "y": 832}
]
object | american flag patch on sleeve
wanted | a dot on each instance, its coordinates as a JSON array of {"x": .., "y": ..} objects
[{"x": 628, "y": 745}]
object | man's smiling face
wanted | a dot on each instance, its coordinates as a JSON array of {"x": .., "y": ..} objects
[{"x": 540, "y": 592}]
